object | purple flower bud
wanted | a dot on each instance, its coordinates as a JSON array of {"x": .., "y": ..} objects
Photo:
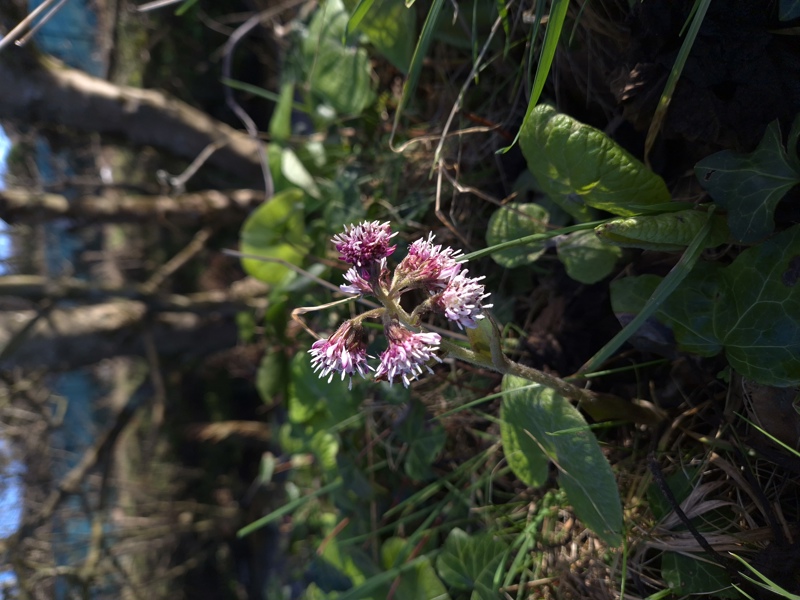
[
  {"x": 364, "y": 244},
  {"x": 407, "y": 353},
  {"x": 429, "y": 265},
  {"x": 344, "y": 352},
  {"x": 461, "y": 300}
]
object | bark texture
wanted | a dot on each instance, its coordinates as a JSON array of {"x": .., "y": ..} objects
[
  {"x": 190, "y": 209},
  {"x": 42, "y": 90}
]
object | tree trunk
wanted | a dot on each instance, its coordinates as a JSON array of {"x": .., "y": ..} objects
[
  {"x": 55, "y": 338},
  {"x": 189, "y": 210},
  {"x": 45, "y": 91}
]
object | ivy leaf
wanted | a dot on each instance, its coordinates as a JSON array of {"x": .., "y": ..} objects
[
  {"x": 750, "y": 309},
  {"x": 586, "y": 258},
  {"x": 511, "y": 222},
  {"x": 749, "y": 186},
  {"x": 581, "y": 168},
  {"x": 757, "y": 315},
  {"x": 470, "y": 562},
  {"x": 563, "y": 436}
]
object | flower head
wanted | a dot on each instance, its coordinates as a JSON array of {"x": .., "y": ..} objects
[
  {"x": 344, "y": 352},
  {"x": 407, "y": 353},
  {"x": 429, "y": 265},
  {"x": 364, "y": 244},
  {"x": 461, "y": 300},
  {"x": 358, "y": 284}
]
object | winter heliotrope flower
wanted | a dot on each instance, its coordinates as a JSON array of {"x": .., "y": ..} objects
[
  {"x": 344, "y": 352},
  {"x": 407, "y": 353},
  {"x": 364, "y": 244}
]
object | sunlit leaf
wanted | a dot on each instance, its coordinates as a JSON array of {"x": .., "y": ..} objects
[
  {"x": 581, "y": 168},
  {"x": 666, "y": 232},
  {"x": 586, "y": 258},
  {"x": 749, "y": 186},
  {"x": 584, "y": 473},
  {"x": 514, "y": 221},
  {"x": 469, "y": 562},
  {"x": 276, "y": 229}
]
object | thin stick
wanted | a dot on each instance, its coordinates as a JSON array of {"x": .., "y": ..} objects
[
  {"x": 12, "y": 35},
  {"x": 27, "y": 37}
]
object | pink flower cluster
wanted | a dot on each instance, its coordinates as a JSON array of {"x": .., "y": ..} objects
[{"x": 430, "y": 267}]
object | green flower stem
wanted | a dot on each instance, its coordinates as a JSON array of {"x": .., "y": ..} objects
[{"x": 601, "y": 407}]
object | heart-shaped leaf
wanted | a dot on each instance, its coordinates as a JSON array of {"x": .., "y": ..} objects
[{"x": 514, "y": 221}]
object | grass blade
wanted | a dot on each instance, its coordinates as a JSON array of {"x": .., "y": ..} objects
[{"x": 664, "y": 289}]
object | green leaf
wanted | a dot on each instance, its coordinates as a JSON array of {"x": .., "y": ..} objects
[
  {"x": 425, "y": 439},
  {"x": 586, "y": 258},
  {"x": 341, "y": 76},
  {"x": 417, "y": 583},
  {"x": 749, "y": 186},
  {"x": 667, "y": 232},
  {"x": 325, "y": 446},
  {"x": 581, "y": 168},
  {"x": 757, "y": 316},
  {"x": 514, "y": 221},
  {"x": 470, "y": 563},
  {"x": 276, "y": 229},
  {"x": 750, "y": 309},
  {"x": 309, "y": 395},
  {"x": 584, "y": 473},
  {"x": 521, "y": 449},
  {"x": 390, "y": 26},
  {"x": 687, "y": 575},
  {"x": 272, "y": 376}
]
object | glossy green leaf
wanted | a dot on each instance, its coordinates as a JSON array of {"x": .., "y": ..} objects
[
  {"x": 339, "y": 75},
  {"x": 514, "y": 221},
  {"x": 581, "y": 168},
  {"x": 542, "y": 415},
  {"x": 469, "y": 562},
  {"x": 276, "y": 229},
  {"x": 688, "y": 575},
  {"x": 749, "y": 186},
  {"x": 417, "y": 583},
  {"x": 586, "y": 258},
  {"x": 667, "y": 232},
  {"x": 389, "y": 25}
]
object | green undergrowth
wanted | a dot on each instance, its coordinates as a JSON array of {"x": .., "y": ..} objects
[{"x": 453, "y": 489}]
